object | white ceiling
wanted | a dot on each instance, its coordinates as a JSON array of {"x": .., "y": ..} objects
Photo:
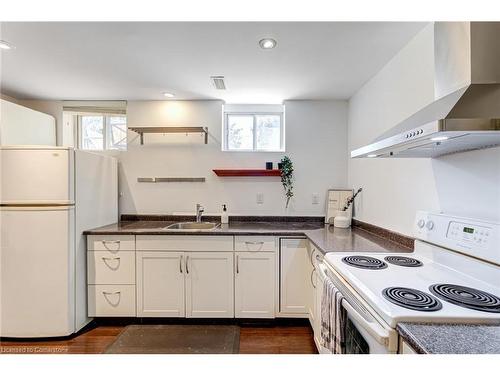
[{"x": 135, "y": 61}]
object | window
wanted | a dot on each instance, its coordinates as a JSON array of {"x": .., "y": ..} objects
[
  {"x": 253, "y": 132},
  {"x": 102, "y": 132}
]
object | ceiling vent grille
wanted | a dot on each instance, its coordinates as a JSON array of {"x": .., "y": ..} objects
[{"x": 218, "y": 82}]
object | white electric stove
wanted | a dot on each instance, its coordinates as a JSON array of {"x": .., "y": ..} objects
[{"x": 452, "y": 276}]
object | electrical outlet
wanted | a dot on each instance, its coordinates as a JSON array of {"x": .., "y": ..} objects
[
  {"x": 260, "y": 198},
  {"x": 315, "y": 198}
]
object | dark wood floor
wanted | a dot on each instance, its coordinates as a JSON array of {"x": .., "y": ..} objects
[
  {"x": 277, "y": 340},
  {"x": 286, "y": 339}
]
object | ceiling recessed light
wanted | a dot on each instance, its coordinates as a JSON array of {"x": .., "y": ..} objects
[
  {"x": 267, "y": 43},
  {"x": 168, "y": 95},
  {"x": 5, "y": 45},
  {"x": 443, "y": 138}
]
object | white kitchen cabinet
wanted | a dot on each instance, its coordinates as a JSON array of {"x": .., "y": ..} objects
[
  {"x": 105, "y": 268},
  {"x": 295, "y": 277},
  {"x": 318, "y": 294},
  {"x": 185, "y": 243},
  {"x": 160, "y": 284},
  {"x": 405, "y": 348},
  {"x": 111, "y": 300},
  {"x": 255, "y": 284},
  {"x": 312, "y": 253},
  {"x": 112, "y": 243},
  {"x": 209, "y": 284},
  {"x": 254, "y": 243},
  {"x": 311, "y": 305}
]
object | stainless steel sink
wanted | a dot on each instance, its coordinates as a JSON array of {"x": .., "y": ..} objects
[{"x": 191, "y": 225}]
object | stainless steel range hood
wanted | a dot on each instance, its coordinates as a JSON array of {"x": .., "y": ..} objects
[{"x": 465, "y": 114}]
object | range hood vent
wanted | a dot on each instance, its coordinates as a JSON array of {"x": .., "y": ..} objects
[{"x": 465, "y": 114}]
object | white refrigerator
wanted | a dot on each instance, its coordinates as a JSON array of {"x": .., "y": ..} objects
[{"x": 48, "y": 197}]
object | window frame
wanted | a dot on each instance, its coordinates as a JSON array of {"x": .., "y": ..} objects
[
  {"x": 225, "y": 129},
  {"x": 106, "y": 130}
]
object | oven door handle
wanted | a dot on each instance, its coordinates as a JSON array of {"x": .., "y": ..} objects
[{"x": 374, "y": 329}]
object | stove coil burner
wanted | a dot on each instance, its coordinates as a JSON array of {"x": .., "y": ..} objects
[
  {"x": 412, "y": 299},
  {"x": 467, "y": 297},
  {"x": 403, "y": 261},
  {"x": 364, "y": 262}
]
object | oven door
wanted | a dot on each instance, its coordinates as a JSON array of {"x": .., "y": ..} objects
[{"x": 365, "y": 334}]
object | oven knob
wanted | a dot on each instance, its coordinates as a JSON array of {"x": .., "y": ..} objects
[
  {"x": 430, "y": 225},
  {"x": 421, "y": 223}
]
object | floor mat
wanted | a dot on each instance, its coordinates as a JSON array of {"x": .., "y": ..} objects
[{"x": 177, "y": 339}]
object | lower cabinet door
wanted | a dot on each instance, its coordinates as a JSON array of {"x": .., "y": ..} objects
[
  {"x": 160, "y": 284},
  {"x": 311, "y": 305},
  {"x": 209, "y": 285},
  {"x": 318, "y": 295},
  {"x": 295, "y": 277},
  {"x": 254, "y": 283}
]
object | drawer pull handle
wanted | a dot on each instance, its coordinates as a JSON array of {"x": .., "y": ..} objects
[
  {"x": 107, "y": 294},
  {"x": 180, "y": 264},
  {"x": 106, "y": 261},
  {"x": 254, "y": 242},
  {"x": 187, "y": 264},
  {"x": 106, "y": 242},
  {"x": 261, "y": 243}
]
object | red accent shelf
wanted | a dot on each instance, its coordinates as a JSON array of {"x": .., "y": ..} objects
[{"x": 247, "y": 172}]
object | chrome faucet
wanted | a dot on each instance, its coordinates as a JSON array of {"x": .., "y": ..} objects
[{"x": 199, "y": 212}]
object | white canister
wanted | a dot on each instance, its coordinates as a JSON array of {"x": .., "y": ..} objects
[{"x": 342, "y": 219}]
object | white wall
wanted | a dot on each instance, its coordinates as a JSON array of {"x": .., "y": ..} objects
[
  {"x": 50, "y": 107},
  {"x": 20, "y": 125},
  {"x": 53, "y": 108},
  {"x": 465, "y": 184},
  {"x": 316, "y": 141}
]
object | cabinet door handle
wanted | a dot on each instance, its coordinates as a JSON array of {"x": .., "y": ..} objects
[
  {"x": 187, "y": 264},
  {"x": 237, "y": 264},
  {"x": 312, "y": 256},
  {"x": 180, "y": 264},
  {"x": 312, "y": 283},
  {"x": 106, "y": 260}
]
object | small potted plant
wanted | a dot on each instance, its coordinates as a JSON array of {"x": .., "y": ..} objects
[{"x": 344, "y": 217}]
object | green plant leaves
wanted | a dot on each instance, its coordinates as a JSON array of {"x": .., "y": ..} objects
[{"x": 287, "y": 178}]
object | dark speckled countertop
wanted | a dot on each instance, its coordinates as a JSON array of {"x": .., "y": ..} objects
[
  {"x": 325, "y": 237},
  {"x": 451, "y": 338}
]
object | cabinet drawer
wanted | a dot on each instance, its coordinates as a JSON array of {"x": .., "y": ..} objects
[
  {"x": 111, "y": 243},
  {"x": 184, "y": 243},
  {"x": 255, "y": 243},
  {"x": 111, "y": 300},
  {"x": 105, "y": 268}
]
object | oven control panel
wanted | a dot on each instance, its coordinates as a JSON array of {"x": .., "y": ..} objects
[
  {"x": 468, "y": 233},
  {"x": 477, "y": 238}
]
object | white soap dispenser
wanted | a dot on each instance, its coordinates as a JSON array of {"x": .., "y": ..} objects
[{"x": 224, "y": 217}]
